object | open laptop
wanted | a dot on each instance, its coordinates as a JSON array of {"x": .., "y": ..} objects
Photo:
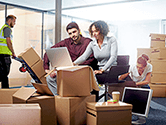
[
  {"x": 59, "y": 57},
  {"x": 42, "y": 88}
]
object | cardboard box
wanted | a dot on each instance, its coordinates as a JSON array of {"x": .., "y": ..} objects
[
  {"x": 20, "y": 114},
  {"x": 75, "y": 81},
  {"x": 158, "y": 65},
  {"x": 159, "y": 90},
  {"x": 155, "y": 36},
  {"x": 157, "y": 40},
  {"x": 30, "y": 56},
  {"x": 47, "y": 104},
  {"x": 38, "y": 69},
  {"x": 104, "y": 113},
  {"x": 157, "y": 44},
  {"x": 43, "y": 80},
  {"x": 42, "y": 89},
  {"x": 147, "y": 51},
  {"x": 158, "y": 77},
  {"x": 157, "y": 53},
  {"x": 72, "y": 110},
  {"x": 6, "y": 96}
]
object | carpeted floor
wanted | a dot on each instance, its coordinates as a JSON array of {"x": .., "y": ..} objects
[{"x": 157, "y": 112}]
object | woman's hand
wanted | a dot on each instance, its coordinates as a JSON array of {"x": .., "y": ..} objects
[{"x": 99, "y": 71}]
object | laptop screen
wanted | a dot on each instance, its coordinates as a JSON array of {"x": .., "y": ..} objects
[{"x": 59, "y": 57}]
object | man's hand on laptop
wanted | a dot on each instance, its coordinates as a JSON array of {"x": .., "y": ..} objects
[{"x": 52, "y": 74}]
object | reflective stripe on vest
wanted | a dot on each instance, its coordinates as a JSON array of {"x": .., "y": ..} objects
[{"x": 3, "y": 44}]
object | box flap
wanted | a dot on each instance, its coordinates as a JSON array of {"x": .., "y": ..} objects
[
  {"x": 93, "y": 80},
  {"x": 22, "y": 106},
  {"x": 24, "y": 93},
  {"x": 71, "y": 68}
]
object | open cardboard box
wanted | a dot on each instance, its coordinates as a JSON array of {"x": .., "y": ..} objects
[
  {"x": 20, "y": 114},
  {"x": 75, "y": 81},
  {"x": 47, "y": 104}
]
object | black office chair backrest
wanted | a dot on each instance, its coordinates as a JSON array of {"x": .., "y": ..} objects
[
  {"x": 123, "y": 60},
  {"x": 112, "y": 75},
  {"x": 121, "y": 68}
]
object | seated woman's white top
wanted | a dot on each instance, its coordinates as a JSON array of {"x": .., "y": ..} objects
[{"x": 135, "y": 75}]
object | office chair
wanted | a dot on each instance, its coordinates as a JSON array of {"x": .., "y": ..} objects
[{"x": 111, "y": 77}]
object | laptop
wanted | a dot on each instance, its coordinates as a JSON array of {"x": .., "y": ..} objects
[
  {"x": 42, "y": 88},
  {"x": 59, "y": 57},
  {"x": 115, "y": 71}
]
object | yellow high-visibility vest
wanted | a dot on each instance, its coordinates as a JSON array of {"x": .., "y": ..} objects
[{"x": 3, "y": 43}]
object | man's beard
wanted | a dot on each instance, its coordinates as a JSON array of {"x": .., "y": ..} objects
[
  {"x": 75, "y": 37},
  {"x": 11, "y": 25}
]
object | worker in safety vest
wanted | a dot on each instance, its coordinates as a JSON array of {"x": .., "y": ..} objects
[{"x": 6, "y": 50}]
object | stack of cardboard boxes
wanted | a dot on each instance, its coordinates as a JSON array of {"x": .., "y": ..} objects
[
  {"x": 26, "y": 98},
  {"x": 74, "y": 85},
  {"x": 157, "y": 54},
  {"x": 34, "y": 63},
  {"x": 17, "y": 114}
]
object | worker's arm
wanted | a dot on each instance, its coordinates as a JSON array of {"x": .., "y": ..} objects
[{"x": 10, "y": 46}]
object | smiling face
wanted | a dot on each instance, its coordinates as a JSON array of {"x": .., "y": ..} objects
[
  {"x": 95, "y": 32},
  {"x": 74, "y": 34}
]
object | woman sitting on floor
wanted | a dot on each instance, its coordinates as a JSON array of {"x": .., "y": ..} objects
[{"x": 140, "y": 73}]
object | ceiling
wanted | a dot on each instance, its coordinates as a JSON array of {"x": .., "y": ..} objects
[{"x": 102, "y": 9}]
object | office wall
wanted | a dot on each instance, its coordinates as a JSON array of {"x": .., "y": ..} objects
[{"x": 135, "y": 34}]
